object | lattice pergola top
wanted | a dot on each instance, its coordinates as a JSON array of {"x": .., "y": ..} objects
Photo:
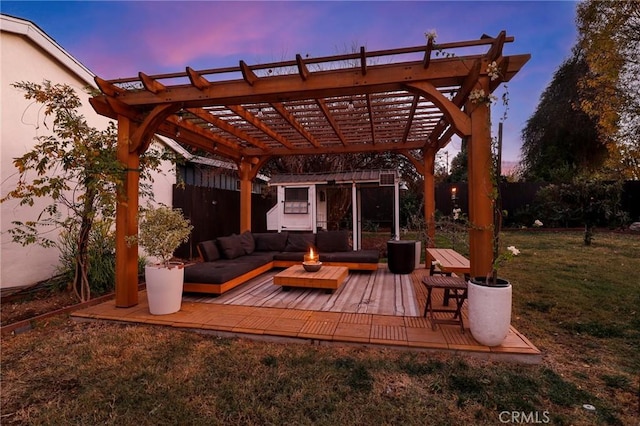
[{"x": 392, "y": 100}]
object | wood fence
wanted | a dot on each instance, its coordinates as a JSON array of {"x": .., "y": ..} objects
[{"x": 215, "y": 213}]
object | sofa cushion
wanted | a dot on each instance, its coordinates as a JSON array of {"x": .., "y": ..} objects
[
  {"x": 220, "y": 271},
  {"x": 295, "y": 256},
  {"x": 209, "y": 250},
  {"x": 300, "y": 242},
  {"x": 270, "y": 241},
  {"x": 328, "y": 242},
  {"x": 231, "y": 246},
  {"x": 247, "y": 242}
]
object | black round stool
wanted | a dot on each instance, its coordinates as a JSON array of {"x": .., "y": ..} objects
[{"x": 401, "y": 256}]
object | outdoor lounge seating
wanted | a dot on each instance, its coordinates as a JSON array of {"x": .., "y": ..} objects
[{"x": 232, "y": 260}]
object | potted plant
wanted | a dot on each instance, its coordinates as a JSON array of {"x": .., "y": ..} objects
[
  {"x": 162, "y": 230},
  {"x": 489, "y": 303}
]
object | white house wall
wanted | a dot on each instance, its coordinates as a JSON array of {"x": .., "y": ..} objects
[
  {"x": 296, "y": 222},
  {"x": 35, "y": 58}
]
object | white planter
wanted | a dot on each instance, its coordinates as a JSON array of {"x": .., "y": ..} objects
[
  {"x": 164, "y": 288},
  {"x": 489, "y": 312}
]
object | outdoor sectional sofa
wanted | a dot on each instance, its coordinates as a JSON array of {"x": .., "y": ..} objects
[{"x": 232, "y": 260}]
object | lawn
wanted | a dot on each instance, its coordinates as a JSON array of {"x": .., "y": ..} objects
[{"x": 580, "y": 305}]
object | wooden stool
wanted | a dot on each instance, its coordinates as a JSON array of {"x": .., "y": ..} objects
[{"x": 457, "y": 289}]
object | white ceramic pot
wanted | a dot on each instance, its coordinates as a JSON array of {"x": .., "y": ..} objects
[
  {"x": 164, "y": 288},
  {"x": 489, "y": 311}
]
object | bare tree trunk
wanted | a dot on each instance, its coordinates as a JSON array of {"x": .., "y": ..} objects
[{"x": 81, "y": 279}]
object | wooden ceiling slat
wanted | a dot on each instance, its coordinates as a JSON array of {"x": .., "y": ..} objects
[
  {"x": 412, "y": 113},
  {"x": 197, "y": 140},
  {"x": 223, "y": 125},
  {"x": 295, "y": 123},
  {"x": 371, "y": 121},
  {"x": 185, "y": 125},
  {"x": 255, "y": 121},
  {"x": 334, "y": 125}
]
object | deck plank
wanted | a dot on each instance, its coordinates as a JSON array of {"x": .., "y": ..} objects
[{"x": 378, "y": 292}]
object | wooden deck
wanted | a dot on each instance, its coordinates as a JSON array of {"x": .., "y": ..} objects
[{"x": 377, "y": 308}]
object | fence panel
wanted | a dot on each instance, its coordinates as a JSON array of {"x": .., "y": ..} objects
[{"x": 216, "y": 213}]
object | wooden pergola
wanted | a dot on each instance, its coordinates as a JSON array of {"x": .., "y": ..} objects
[{"x": 409, "y": 100}]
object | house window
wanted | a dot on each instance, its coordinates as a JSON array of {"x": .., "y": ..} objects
[{"x": 296, "y": 200}]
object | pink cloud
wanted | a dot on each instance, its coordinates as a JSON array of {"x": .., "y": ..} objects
[{"x": 182, "y": 35}]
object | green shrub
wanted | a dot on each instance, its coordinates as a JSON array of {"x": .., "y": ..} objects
[
  {"x": 101, "y": 271},
  {"x": 587, "y": 203}
]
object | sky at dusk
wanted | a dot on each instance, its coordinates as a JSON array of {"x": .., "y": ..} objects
[{"x": 120, "y": 39}]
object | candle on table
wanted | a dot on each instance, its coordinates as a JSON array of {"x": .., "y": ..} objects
[{"x": 312, "y": 257}]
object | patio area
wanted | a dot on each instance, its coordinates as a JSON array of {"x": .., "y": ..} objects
[{"x": 370, "y": 309}]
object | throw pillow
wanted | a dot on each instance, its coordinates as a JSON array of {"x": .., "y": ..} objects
[
  {"x": 300, "y": 242},
  {"x": 247, "y": 242},
  {"x": 231, "y": 246},
  {"x": 270, "y": 241},
  {"x": 209, "y": 251}
]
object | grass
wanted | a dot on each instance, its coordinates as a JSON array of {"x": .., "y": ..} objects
[{"x": 579, "y": 305}]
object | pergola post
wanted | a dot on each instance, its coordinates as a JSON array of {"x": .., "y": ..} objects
[
  {"x": 481, "y": 187},
  {"x": 126, "y": 293},
  {"x": 245, "y": 173},
  {"x": 429, "y": 158}
]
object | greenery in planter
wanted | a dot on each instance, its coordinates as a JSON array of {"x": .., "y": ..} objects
[{"x": 162, "y": 230}]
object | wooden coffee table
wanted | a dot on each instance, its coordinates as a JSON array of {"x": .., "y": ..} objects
[{"x": 329, "y": 278}]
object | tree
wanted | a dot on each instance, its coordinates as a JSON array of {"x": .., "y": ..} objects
[
  {"x": 560, "y": 140},
  {"x": 77, "y": 169},
  {"x": 459, "y": 165},
  {"x": 609, "y": 37}
]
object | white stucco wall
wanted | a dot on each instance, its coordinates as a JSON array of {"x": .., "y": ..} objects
[{"x": 27, "y": 54}]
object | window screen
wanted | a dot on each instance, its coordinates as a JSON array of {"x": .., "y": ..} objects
[{"x": 296, "y": 200}]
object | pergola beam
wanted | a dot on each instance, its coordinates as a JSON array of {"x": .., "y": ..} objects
[
  {"x": 260, "y": 125},
  {"x": 342, "y": 82},
  {"x": 339, "y": 149},
  {"x": 371, "y": 119},
  {"x": 295, "y": 123},
  {"x": 197, "y": 81},
  {"x": 247, "y": 73},
  {"x": 152, "y": 85},
  {"x": 223, "y": 125},
  {"x": 302, "y": 68},
  {"x": 332, "y": 122}
]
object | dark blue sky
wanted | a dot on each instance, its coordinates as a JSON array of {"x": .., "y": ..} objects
[{"x": 119, "y": 39}]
